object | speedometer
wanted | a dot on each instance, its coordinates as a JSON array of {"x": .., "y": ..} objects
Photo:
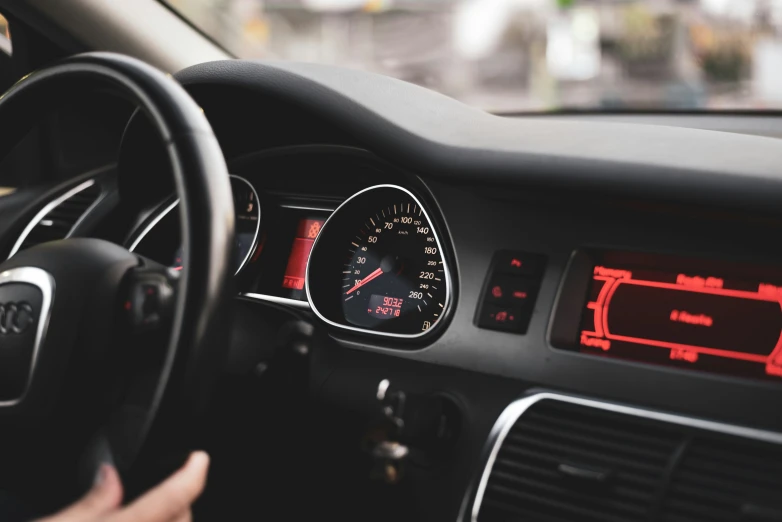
[{"x": 379, "y": 267}]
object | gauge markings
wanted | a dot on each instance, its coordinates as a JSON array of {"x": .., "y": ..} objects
[{"x": 394, "y": 271}]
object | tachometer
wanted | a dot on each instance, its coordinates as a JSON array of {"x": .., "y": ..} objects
[
  {"x": 160, "y": 240},
  {"x": 378, "y": 266}
]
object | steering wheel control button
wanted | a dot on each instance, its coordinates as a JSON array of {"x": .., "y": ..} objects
[
  {"x": 509, "y": 290},
  {"x": 518, "y": 263},
  {"x": 509, "y": 293},
  {"x": 150, "y": 300},
  {"x": 20, "y": 306},
  {"x": 505, "y": 318}
]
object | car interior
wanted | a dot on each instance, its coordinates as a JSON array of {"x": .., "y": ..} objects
[{"x": 367, "y": 300}]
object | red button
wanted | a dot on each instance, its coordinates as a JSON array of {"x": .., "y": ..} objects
[
  {"x": 510, "y": 319},
  {"x": 509, "y": 290},
  {"x": 518, "y": 263}
]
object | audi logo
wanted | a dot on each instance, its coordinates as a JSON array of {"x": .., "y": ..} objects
[{"x": 15, "y": 318}]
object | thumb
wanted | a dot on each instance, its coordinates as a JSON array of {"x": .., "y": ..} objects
[{"x": 104, "y": 497}]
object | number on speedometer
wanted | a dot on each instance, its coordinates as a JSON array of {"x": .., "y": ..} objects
[
  {"x": 392, "y": 278},
  {"x": 394, "y": 271}
]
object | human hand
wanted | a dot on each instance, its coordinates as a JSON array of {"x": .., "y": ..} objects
[{"x": 170, "y": 501}]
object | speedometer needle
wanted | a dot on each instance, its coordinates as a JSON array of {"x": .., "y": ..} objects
[{"x": 374, "y": 275}]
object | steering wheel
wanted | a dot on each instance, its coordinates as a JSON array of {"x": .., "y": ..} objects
[{"x": 102, "y": 342}]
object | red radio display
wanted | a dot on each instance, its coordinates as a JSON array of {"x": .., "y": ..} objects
[
  {"x": 642, "y": 307},
  {"x": 306, "y": 233}
]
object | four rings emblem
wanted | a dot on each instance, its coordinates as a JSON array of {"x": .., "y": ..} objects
[{"x": 15, "y": 318}]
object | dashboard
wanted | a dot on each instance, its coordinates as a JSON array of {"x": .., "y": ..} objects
[
  {"x": 545, "y": 287},
  {"x": 628, "y": 267},
  {"x": 530, "y": 221}
]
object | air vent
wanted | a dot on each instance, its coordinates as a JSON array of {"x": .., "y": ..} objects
[
  {"x": 720, "y": 480},
  {"x": 556, "y": 458},
  {"x": 57, "y": 219},
  {"x": 562, "y": 462}
]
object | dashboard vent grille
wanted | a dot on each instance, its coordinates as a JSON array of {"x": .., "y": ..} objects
[
  {"x": 57, "y": 219},
  {"x": 564, "y": 462},
  {"x": 719, "y": 479}
]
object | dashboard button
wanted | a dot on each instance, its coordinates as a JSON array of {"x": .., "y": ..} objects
[
  {"x": 518, "y": 263},
  {"x": 505, "y": 318},
  {"x": 509, "y": 290}
]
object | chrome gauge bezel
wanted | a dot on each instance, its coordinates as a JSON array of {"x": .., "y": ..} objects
[
  {"x": 171, "y": 206},
  {"x": 446, "y": 270}
]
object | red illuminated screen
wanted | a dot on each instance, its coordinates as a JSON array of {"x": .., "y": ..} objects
[
  {"x": 384, "y": 307},
  {"x": 713, "y": 318},
  {"x": 306, "y": 232}
]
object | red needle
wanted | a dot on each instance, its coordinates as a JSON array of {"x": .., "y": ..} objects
[{"x": 377, "y": 273}]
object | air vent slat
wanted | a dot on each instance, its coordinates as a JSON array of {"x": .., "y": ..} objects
[
  {"x": 521, "y": 445},
  {"x": 587, "y": 441},
  {"x": 661, "y": 439},
  {"x": 717, "y": 476},
  {"x": 57, "y": 222},
  {"x": 554, "y": 508},
  {"x": 546, "y": 466},
  {"x": 555, "y": 489}
]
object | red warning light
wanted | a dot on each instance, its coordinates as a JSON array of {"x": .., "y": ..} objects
[
  {"x": 306, "y": 233},
  {"x": 496, "y": 291},
  {"x": 515, "y": 263}
]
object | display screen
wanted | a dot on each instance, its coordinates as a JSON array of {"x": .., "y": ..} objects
[
  {"x": 307, "y": 231},
  {"x": 707, "y": 315},
  {"x": 384, "y": 307}
]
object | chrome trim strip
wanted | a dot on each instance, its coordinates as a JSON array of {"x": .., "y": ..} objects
[
  {"x": 45, "y": 283},
  {"x": 511, "y": 414},
  {"x": 169, "y": 208},
  {"x": 254, "y": 244},
  {"x": 101, "y": 196},
  {"x": 147, "y": 229},
  {"x": 274, "y": 299},
  {"x": 558, "y": 296},
  {"x": 446, "y": 271},
  {"x": 48, "y": 208},
  {"x": 301, "y": 207}
]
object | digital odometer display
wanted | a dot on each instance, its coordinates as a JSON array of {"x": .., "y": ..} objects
[
  {"x": 385, "y": 307},
  {"x": 378, "y": 266},
  {"x": 706, "y": 315}
]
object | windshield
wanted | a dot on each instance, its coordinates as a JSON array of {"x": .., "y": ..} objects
[{"x": 527, "y": 55}]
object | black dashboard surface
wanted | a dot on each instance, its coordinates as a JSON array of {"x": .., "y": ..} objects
[
  {"x": 541, "y": 185},
  {"x": 443, "y": 138}
]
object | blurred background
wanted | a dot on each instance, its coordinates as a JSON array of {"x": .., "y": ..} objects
[{"x": 511, "y": 56}]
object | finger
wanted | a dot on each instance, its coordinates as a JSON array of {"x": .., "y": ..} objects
[
  {"x": 171, "y": 498},
  {"x": 187, "y": 516},
  {"x": 104, "y": 497}
]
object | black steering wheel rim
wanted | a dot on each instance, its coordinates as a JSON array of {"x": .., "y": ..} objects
[{"x": 199, "y": 320}]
